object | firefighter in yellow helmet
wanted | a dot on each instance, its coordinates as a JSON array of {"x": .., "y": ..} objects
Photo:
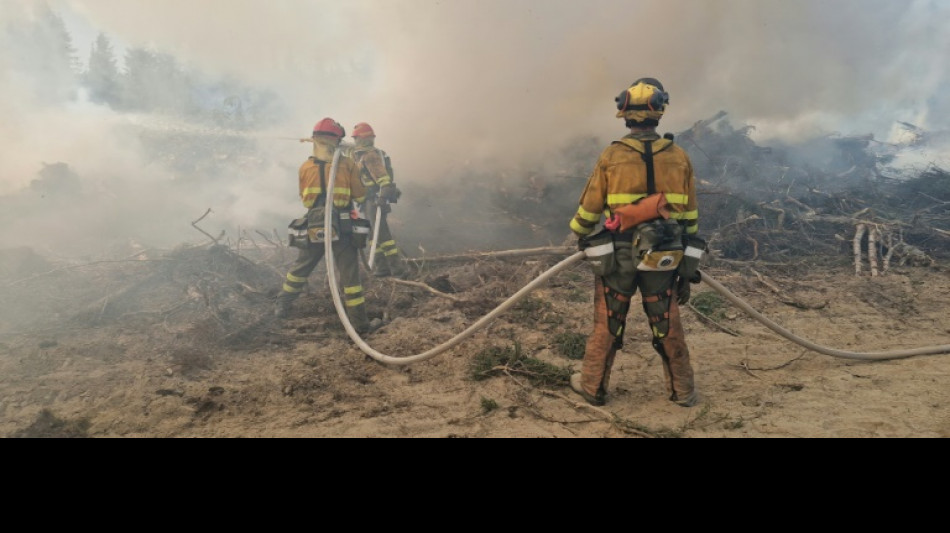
[
  {"x": 314, "y": 175},
  {"x": 644, "y": 187},
  {"x": 377, "y": 175}
]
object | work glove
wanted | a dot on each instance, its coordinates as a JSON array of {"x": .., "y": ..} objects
[
  {"x": 580, "y": 242},
  {"x": 389, "y": 193},
  {"x": 692, "y": 257},
  {"x": 683, "y": 290}
]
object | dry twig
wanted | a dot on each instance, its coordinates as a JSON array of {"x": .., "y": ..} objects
[
  {"x": 709, "y": 320},
  {"x": 423, "y": 286},
  {"x": 621, "y": 424},
  {"x": 195, "y": 225}
]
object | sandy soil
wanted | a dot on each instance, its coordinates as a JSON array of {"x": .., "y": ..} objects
[{"x": 148, "y": 351}]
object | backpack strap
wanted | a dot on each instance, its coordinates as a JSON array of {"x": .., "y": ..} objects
[
  {"x": 323, "y": 183},
  {"x": 647, "y": 150},
  {"x": 659, "y": 145},
  {"x": 651, "y": 171}
]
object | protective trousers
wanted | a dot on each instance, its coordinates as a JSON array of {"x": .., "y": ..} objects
[
  {"x": 612, "y": 298},
  {"x": 347, "y": 260},
  {"x": 388, "y": 262}
]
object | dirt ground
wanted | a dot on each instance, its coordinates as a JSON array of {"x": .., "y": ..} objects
[{"x": 178, "y": 345}]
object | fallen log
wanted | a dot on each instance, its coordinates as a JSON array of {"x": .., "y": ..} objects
[{"x": 506, "y": 254}]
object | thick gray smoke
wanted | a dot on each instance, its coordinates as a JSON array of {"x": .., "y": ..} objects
[{"x": 448, "y": 84}]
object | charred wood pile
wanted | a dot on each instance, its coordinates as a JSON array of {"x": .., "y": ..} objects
[{"x": 831, "y": 200}]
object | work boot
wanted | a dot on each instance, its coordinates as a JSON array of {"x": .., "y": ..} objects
[
  {"x": 370, "y": 328},
  {"x": 689, "y": 400},
  {"x": 282, "y": 309},
  {"x": 398, "y": 267},
  {"x": 598, "y": 400}
]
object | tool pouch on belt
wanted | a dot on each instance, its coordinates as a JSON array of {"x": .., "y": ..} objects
[
  {"x": 601, "y": 252},
  {"x": 659, "y": 245},
  {"x": 310, "y": 229},
  {"x": 298, "y": 236},
  {"x": 653, "y": 207}
]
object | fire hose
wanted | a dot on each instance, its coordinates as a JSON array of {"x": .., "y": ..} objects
[{"x": 547, "y": 275}]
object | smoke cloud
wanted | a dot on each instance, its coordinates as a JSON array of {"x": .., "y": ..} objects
[{"x": 485, "y": 84}]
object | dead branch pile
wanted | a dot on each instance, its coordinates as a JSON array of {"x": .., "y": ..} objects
[
  {"x": 766, "y": 205},
  {"x": 207, "y": 288},
  {"x": 781, "y": 203}
]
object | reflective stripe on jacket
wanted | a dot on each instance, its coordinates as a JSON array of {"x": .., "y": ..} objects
[
  {"x": 620, "y": 178},
  {"x": 347, "y": 189}
]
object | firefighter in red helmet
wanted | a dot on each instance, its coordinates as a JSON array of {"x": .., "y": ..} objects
[
  {"x": 314, "y": 176},
  {"x": 376, "y": 173},
  {"x": 644, "y": 186}
]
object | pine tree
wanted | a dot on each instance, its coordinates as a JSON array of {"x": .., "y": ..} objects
[
  {"x": 56, "y": 67},
  {"x": 102, "y": 76},
  {"x": 154, "y": 82}
]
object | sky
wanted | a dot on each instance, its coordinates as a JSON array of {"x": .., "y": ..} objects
[{"x": 497, "y": 82}]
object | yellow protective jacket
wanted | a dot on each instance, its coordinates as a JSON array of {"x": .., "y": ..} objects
[
  {"x": 315, "y": 174},
  {"x": 372, "y": 166},
  {"x": 620, "y": 178}
]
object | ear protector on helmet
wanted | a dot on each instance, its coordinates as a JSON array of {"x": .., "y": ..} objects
[{"x": 657, "y": 100}]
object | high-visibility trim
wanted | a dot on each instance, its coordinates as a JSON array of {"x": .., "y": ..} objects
[
  {"x": 292, "y": 289},
  {"x": 675, "y": 198},
  {"x": 294, "y": 279},
  {"x": 587, "y": 215},
  {"x": 356, "y": 302},
  {"x": 600, "y": 251},
  {"x": 390, "y": 253},
  {"x": 688, "y": 215},
  {"x": 695, "y": 253},
  {"x": 388, "y": 244},
  {"x": 384, "y": 181},
  {"x": 580, "y": 230},
  {"x": 692, "y": 230},
  {"x": 623, "y": 199},
  {"x": 345, "y": 191},
  {"x": 353, "y": 290},
  {"x": 315, "y": 191}
]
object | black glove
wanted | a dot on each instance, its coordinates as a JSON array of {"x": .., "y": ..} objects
[
  {"x": 389, "y": 193},
  {"x": 581, "y": 243},
  {"x": 683, "y": 290},
  {"x": 693, "y": 256}
]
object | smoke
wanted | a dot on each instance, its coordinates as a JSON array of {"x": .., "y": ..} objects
[{"x": 484, "y": 84}]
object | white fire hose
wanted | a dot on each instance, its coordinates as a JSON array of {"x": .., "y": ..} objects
[
  {"x": 372, "y": 249},
  {"x": 542, "y": 279}
]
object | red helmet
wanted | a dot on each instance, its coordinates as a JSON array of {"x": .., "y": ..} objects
[
  {"x": 330, "y": 127},
  {"x": 362, "y": 130}
]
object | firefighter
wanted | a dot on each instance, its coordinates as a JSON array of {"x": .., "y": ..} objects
[
  {"x": 376, "y": 174},
  {"x": 314, "y": 175},
  {"x": 645, "y": 187}
]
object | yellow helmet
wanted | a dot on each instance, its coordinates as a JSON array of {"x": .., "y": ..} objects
[{"x": 644, "y": 100}]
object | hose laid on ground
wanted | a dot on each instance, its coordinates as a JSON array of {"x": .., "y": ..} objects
[
  {"x": 862, "y": 356},
  {"x": 542, "y": 279},
  {"x": 451, "y": 343}
]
